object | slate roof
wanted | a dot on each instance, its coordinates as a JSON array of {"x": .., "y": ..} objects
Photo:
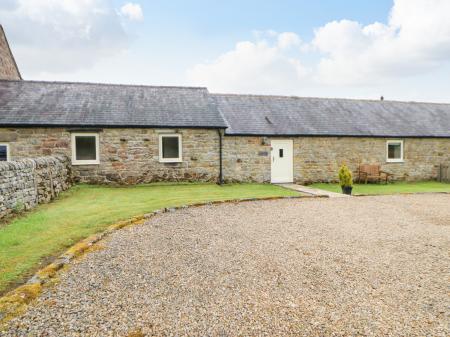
[
  {"x": 282, "y": 115},
  {"x": 36, "y": 103}
]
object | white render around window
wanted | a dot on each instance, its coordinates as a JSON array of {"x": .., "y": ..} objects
[
  {"x": 394, "y": 151},
  {"x": 4, "y": 152},
  {"x": 85, "y": 148},
  {"x": 170, "y": 148}
]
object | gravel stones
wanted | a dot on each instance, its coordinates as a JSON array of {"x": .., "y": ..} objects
[{"x": 368, "y": 266}]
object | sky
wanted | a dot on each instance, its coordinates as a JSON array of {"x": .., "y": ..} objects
[{"x": 399, "y": 49}]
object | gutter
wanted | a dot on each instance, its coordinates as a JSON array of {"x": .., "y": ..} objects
[
  {"x": 106, "y": 126},
  {"x": 220, "y": 158},
  {"x": 330, "y": 135}
]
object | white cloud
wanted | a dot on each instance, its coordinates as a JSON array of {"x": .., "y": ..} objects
[
  {"x": 415, "y": 41},
  {"x": 132, "y": 11},
  {"x": 55, "y": 36},
  {"x": 252, "y": 66},
  {"x": 288, "y": 40}
]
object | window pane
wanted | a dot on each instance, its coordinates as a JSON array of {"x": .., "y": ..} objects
[
  {"x": 395, "y": 151},
  {"x": 85, "y": 148},
  {"x": 3, "y": 153},
  {"x": 170, "y": 147}
]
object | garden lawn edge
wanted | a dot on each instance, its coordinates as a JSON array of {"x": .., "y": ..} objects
[
  {"x": 399, "y": 193},
  {"x": 17, "y": 300}
]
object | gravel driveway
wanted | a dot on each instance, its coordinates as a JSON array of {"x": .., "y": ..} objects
[{"x": 370, "y": 266}]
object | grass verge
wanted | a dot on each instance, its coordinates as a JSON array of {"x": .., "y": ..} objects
[
  {"x": 29, "y": 241},
  {"x": 391, "y": 188}
]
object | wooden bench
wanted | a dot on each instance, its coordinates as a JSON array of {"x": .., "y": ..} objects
[{"x": 372, "y": 172}]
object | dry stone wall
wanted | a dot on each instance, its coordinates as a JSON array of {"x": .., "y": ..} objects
[{"x": 28, "y": 182}]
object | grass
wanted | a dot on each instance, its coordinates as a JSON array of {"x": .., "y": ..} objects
[
  {"x": 391, "y": 188},
  {"x": 30, "y": 240}
]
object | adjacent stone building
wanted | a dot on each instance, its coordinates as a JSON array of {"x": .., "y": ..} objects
[
  {"x": 317, "y": 135},
  {"x": 8, "y": 66}
]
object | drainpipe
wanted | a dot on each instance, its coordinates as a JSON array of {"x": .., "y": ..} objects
[{"x": 220, "y": 158}]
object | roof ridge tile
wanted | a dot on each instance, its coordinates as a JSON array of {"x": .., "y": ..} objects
[{"x": 107, "y": 84}]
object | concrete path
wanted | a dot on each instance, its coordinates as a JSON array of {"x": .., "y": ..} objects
[{"x": 313, "y": 191}]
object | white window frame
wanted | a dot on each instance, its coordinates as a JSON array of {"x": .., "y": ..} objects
[
  {"x": 8, "y": 149},
  {"x": 74, "y": 149},
  {"x": 180, "y": 148},
  {"x": 394, "y": 160}
]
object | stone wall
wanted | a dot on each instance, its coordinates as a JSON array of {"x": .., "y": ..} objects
[
  {"x": 127, "y": 156},
  {"x": 28, "y": 182},
  {"x": 8, "y": 69},
  {"x": 317, "y": 159}
]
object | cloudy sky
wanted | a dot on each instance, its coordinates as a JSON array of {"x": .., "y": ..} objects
[{"x": 326, "y": 48}]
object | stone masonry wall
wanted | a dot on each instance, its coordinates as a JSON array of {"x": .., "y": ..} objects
[
  {"x": 127, "y": 156},
  {"x": 8, "y": 70},
  {"x": 28, "y": 182},
  {"x": 317, "y": 159}
]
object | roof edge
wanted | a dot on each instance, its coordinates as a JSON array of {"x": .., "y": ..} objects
[
  {"x": 315, "y": 97},
  {"x": 107, "y": 84},
  {"x": 329, "y": 135},
  {"x": 104, "y": 126}
]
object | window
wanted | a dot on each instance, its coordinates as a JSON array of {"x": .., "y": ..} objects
[
  {"x": 85, "y": 149},
  {"x": 4, "y": 152},
  {"x": 394, "y": 149},
  {"x": 170, "y": 148}
]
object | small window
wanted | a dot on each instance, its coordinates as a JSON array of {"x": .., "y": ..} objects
[
  {"x": 170, "y": 148},
  {"x": 85, "y": 149},
  {"x": 281, "y": 153},
  {"x": 4, "y": 152},
  {"x": 394, "y": 151}
]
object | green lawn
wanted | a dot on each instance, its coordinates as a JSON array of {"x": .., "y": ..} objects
[
  {"x": 29, "y": 240},
  {"x": 391, "y": 188}
]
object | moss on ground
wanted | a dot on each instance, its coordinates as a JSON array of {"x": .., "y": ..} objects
[
  {"x": 16, "y": 301},
  {"x": 49, "y": 271},
  {"x": 30, "y": 239},
  {"x": 136, "y": 333}
]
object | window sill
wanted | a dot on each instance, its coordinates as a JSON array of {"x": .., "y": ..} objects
[
  {"x": 395, "y": 161},
  {"x": 81, "y": 163},
  {"x": 165, "y": 161}
]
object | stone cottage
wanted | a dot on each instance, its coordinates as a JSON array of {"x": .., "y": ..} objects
[
  {"x": 283, "y": 139},
  {"x": 134, "y": 134},
  {"x": 114, "y": 133}
]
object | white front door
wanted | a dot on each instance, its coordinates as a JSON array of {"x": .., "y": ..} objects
[{"x": 282, "y": 167}]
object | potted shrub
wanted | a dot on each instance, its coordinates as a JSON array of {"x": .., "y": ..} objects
[{"x": 345, "y": 179}]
